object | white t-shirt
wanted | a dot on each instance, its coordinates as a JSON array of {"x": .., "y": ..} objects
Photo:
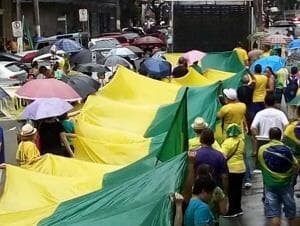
[{"x": 266, "y": 119}]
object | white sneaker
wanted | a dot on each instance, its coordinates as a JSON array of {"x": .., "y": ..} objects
[
  {"x": 247, "y": 185},
  {"x": 257, "y": 171}
]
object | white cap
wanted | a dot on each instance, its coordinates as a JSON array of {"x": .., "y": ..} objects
[{"x": 231, "y": 94}]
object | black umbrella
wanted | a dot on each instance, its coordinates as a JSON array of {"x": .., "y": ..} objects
[
  {"x": 91, "y": 67},
  {"x": 83, "y": 85},
  {"x": 85, "y": 56},
  {"x": 44, "y": 50}
]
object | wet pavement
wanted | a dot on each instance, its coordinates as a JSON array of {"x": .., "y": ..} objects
[{"x": 251, "y": 203}]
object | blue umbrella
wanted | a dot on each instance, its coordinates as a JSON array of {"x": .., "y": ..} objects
[
  {"x": 295, "y": 44},
  {"x": 68, "y": 45},
  {"x": 46, "y": 108},
  {"x": 275, "y": 62},
  {"x": 3, "y": 94},
  {"x": 156, "y": 67}
]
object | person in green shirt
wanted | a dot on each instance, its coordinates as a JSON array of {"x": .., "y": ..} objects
[{"x": 279, "y": 168}]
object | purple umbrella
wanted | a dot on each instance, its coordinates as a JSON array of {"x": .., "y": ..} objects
[{"x": 46, "y": 108}]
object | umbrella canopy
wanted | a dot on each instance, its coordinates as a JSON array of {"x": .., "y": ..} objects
[
  {"x": 255, "y": 54},
  {"x": 148, "y": 40},
  {"x": 29, "y": 57},
  {"x": 135, "y": 49},
  {"x": 68, "y": 45},
  {"x": 113, "y": 61},
  {"x": 47, "y": 88},
  {"x": 123, "y": 52},
  {"x": 193, "y": 56},
  {"x": 275, "y": 62},
  {"x": 156, "y": 67},
  {"x": 131, "y": 35},
  {"x": 276, "y": 39},
  {"x": 46, "y": 108},
  {"x": 83, "y": 85},
  {"x": 85, "y": 56},
  {"x": 44, "y": 50},
  {"x": 90, "y": 67},
  {"x": 295, "y": 44},
  {"x": 257, "y": 35}
]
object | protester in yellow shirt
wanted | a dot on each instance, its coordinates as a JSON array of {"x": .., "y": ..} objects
[
  {"x": 27, "y": 151},
  {"x": 267, "y": 51},
  {"x": 233, "y": 148},
  {"x": 242, "y": 53},
  {"x": 233, "y": 112},
  {"x": 198, "y": 126}
]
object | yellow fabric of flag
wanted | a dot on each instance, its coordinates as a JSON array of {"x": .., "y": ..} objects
[
  {"x": 39, "y": 188},
  {"x": 112, "y": 123},
  {"x": 216, "y": 75},
  {"x": 173, "y": 58}
]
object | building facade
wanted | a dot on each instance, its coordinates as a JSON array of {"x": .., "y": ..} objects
[{"x": 60, "y": 16}]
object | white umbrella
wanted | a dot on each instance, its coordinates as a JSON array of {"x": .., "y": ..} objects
[{"x": 123, "y": 52}]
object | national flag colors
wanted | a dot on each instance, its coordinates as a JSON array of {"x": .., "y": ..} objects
[{"x": 129, "y": 152}]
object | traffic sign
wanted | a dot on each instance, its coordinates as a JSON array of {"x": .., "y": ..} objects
[
  {"x": 17, "y": 29},
  {"x": 83, "y": 15}
]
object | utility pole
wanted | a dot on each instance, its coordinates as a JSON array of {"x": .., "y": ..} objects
[
  {"x": 37, "y": 17},
  {"x": 118, "y": 15},
  {"x": 18, "y": 9}
]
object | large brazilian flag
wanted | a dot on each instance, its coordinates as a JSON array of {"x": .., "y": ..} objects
[
  {"x": 126, "y": 132},
  {"x": 129, "y": 154}
]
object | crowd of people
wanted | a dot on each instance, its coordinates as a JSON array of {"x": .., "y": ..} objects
[{"x": 218, "y": 168}]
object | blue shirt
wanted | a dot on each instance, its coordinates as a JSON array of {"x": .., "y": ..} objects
[{"x": 198, "y": 214}]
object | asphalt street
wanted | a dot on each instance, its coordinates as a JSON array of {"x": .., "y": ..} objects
[{"x": 252, "y": 204}]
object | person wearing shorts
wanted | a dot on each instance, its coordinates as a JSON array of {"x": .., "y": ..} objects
[{"x": 279, "y": 168}]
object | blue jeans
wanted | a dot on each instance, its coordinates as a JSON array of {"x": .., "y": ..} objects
[
  {"x": 248, "y": 159},
  {"x": 275, "y": 198}
]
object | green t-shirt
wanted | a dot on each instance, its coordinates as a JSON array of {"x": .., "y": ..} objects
[{"x": 217, "y": 196}]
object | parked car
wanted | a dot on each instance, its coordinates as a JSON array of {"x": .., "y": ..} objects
[
  {"x": 11, "y": 74},
  {"x": 9, "y": 57}
]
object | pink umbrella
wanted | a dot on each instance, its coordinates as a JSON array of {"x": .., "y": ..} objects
[
  {"x": 276, "y": 39},
  {"x": 193, "y": 56},
  {"x": 47, "y": 88}
]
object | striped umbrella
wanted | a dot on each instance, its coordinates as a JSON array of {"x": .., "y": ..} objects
[{"x": 276, "y": 39}]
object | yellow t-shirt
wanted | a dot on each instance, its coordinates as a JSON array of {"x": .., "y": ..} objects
[
  {"x": 242, "y": 54},
  {"x": 27, "y": 151},
  {"x": 232, "y": 113},
  {"x": 260, "y": 89},
  {"x": 266, "y": 54},
  {"x": 234, "y": 146},
  {"x": 195, "y": 143}
]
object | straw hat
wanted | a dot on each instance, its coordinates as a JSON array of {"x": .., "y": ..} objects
[
  {"x": 199, "y": 123},
  {"x": 231, "y": 94},
  {"x": 28, "y": 130}
]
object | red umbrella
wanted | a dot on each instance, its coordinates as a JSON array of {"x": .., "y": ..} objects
[
  {"x": 29, "y": 57},
  {"x": 148, "y": 40},
  {"x": 47, "y": 88}
]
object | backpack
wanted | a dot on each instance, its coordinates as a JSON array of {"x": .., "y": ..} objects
[{"x": 291, "y": 89}]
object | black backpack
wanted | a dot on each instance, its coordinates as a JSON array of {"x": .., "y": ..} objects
[{"x": 291, "y": 89}]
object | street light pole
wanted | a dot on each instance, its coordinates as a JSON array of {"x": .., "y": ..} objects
[{"x": 37, "y": 17}]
